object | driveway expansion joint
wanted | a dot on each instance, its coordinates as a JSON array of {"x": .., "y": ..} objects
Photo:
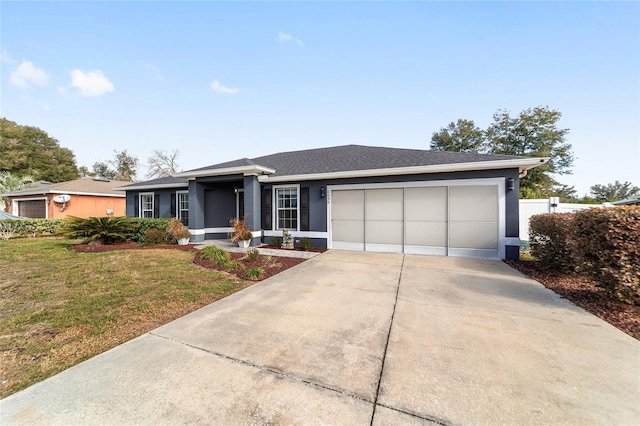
[
  {"x": 268, "y": 369},
  {"x": 435, "y": 420},
  {"x": 386, "y": 345}
]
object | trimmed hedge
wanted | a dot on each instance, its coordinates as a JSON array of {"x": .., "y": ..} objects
[
  {"x": 551, "y": 241},
  {"x": 14, "y": 228},
  {"x": 607, "y": 243},
  {"x": 603, "y": 243}
]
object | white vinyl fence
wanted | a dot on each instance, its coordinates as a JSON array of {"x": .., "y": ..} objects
[{"x": 529, "y": 208}]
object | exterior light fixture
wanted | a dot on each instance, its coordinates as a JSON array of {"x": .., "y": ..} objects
[
  {"x": 322, "y": 192},
  {"x": 511, "y": 184}
]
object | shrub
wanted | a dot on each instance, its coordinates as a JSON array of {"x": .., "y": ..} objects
[
  {"x": 241, "y": 230},
  {"x": 305, "y": 243},
  {"x": 156, "y": 236},
  {"x": 102, "y": 229},
  {"x": 608, "y": 247},
  {"x": 12, "y": 228},
  {"x": 253, "y": 273},
  {"x": 252, "y": 254},
  {"x": 275, "y": 241},
  {"x": 216, "y": 255},
  {"x": 551, "y": 242},
  {"x": 176, "y": 229},
  {"x": 140, "y": 227},
  {"x": 233, "y": 266}
]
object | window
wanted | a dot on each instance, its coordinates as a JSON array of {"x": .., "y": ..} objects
[
  {"x": 287, "y": 207},
  {"x": 146, "y": 205},
  {"x": 182, "y": 207}
]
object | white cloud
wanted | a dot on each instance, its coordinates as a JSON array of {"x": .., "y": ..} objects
[
  {"x": 6, "y": 58},
  {"x": 27, "y": 74},
  {"x": 219, "y": 88},
  {"x": 91, "y": 83},
  {"x": 288, "y": 38}
]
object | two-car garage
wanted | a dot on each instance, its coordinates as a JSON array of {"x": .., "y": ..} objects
[{"x": 447, "y": 218}]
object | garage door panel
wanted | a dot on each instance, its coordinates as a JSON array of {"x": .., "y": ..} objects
[
  {"x": 473, "y": 203},
  {"x": 383, "y": 232},
  {"x": 36, "y": 209},
  {"x": 426, "y": 233},
  {"x": 474, "y": 235},
  {"x": 426, "y": 203},
  {"x": 348, "y": 205},
  {"x": 348, "y": 231},
  {"x": 384, "y": 204}
]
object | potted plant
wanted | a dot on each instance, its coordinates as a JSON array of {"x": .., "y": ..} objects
[
  {"x": 177, "y": 230},
  {"x": 241, "y": 232}
]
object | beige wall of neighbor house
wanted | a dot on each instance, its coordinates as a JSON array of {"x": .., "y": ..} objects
[
  {"x": 81, "y": 198},
  {"x": 78, "y": 205}
]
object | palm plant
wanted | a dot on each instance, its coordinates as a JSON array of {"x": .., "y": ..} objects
[
  {"x": 102, "y": 230},
  {"x": 10, "y": 182}
]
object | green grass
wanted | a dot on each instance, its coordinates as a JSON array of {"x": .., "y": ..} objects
[{"x": 59, "y": 307}]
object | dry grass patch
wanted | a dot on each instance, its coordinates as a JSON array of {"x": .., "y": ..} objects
[{"x": 59, "y": 307}]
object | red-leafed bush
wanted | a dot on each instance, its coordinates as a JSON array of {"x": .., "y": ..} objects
[
  {"x": 551, "y": 241},
  {"x": 607, "y": 245}
]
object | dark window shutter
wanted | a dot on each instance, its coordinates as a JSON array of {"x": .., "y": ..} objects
[
  {"x": 136, "y": 206},
  {"x": 173, "y": 204},
  {"x": 156, "y": 205},
  {"x": 267, "y": 223},
  {"x": 304, "y": 209}
]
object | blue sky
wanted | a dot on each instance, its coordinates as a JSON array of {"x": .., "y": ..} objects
[{"x": 223, "y": 80}]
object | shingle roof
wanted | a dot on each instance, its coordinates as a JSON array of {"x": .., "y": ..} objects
[
  {"x": 158, "y": 182},
  {"x": 84, "y": 185},
  {"x": 354, "y": 157}
]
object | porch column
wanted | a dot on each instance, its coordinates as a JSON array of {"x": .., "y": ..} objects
[
  {"x": 252, "y": 207},
  {"x": 196, "y": 211}
]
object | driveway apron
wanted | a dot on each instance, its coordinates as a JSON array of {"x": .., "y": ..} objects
[{"x": 359, "y": 338}]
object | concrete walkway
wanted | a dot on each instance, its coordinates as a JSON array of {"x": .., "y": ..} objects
[
  {"x": 233, "y": 248},
  {"x": 360, "y": 338}
]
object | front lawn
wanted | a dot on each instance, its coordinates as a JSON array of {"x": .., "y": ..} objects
[{"x": 59, "y": 307}]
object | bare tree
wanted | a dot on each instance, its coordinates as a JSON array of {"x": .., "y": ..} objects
[{"x": 162, "y": 163}]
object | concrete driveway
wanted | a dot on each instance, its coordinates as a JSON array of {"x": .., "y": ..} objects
[{"x": 360, "y": 338}]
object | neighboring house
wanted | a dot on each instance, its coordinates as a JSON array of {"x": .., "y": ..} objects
[
  {"x": 635, "y": 200},
  {"x": 353, "y": 197},
  {"x": 85, "y": 197}
]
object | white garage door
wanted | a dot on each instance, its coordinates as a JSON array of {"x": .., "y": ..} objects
[{"x": 438, "y": 220}]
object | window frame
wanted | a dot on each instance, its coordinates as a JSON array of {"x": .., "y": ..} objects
[
  {"x": 276, "y": 210},
  {"x": 140, "y": 204},
  {"x": 179, "y": 210}
]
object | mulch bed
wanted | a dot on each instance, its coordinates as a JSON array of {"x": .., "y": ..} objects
[
  {"x": 585, "y": 293},
  {"x": 271, "y": 265}
]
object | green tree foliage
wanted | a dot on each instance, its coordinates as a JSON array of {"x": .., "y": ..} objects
[
  {"x": 123, "y": 166},
  {"x": 533, "y": 133},
  {"x": 460, "y": 136},
  {"x": 613, "y": 191},
  {"x": 29, "y": 151},
  {"x": 566, "y": 193}
]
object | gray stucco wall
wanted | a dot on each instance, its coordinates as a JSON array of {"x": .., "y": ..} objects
[{"x": 161, "y": 195}]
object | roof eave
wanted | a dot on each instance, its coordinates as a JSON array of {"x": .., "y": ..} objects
[
  {"x": 244, "y": 170},
  {"x": 157, "y": 186},
  {"x": 521, "y": 163},
  {"x": 59, "y": 191}
]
